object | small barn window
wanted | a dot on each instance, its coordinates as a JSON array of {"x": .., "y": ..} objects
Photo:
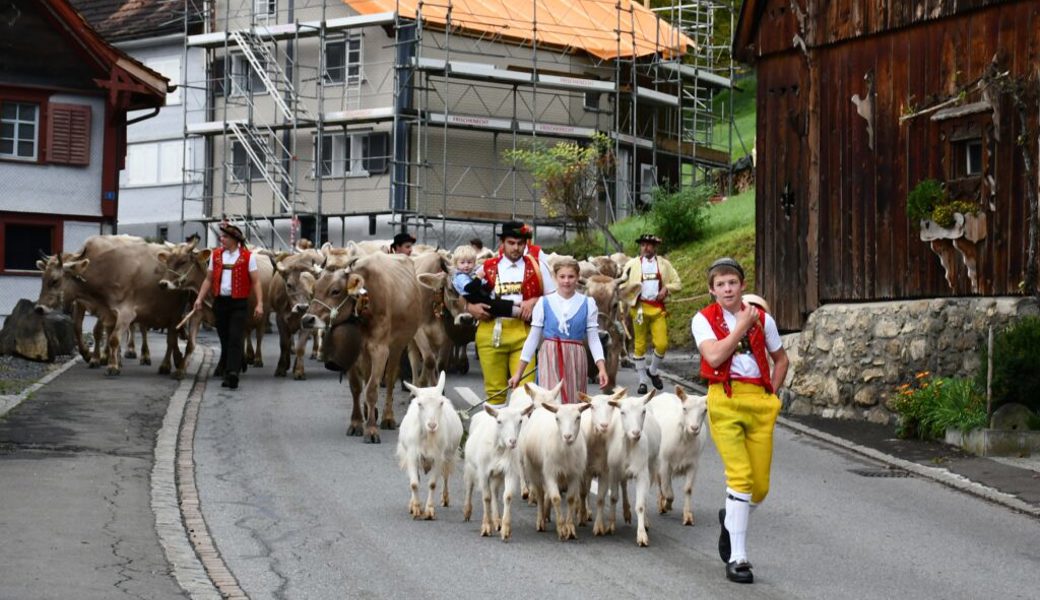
[
  {"x": 19, "y": 130},
  {"x": 24, "y": 243},
  {"x": 971, "y": 155}
]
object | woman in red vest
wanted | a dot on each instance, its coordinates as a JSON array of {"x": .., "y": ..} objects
[
  {"x": 736, "y": 341},
  {"x": 233, "y": 276}
]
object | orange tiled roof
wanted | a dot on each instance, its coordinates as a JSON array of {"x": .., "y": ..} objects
[{"x": 581, "y": 25}]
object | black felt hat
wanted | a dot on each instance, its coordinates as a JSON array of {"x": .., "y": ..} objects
[
  {"x": 516, "y": 229},
  {"x": 403, "y": 238},
  {"x": 233, "y": 232},
  {"x": 648, "y": 237}
]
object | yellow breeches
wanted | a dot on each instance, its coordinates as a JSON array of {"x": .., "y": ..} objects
[
  {"x": 742, "y": 427},
  {"x": 653, "y": 321},
  {"x": 498, "y": 364}
]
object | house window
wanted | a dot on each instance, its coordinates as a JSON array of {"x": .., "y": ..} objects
[
  {"x": 968, "y": 158},
  {"x": 343, "y": 60},
  {"x": 169, "y": 68},
  {"x": 24, "y": 243},
  {"x": 19, "y": 128},
  {"x": 265, "y": 8},
  {"x": 244, "y": 77},
  {"x": 354, "y": 155},
  {"x": 243, "y": 166},
  {"x": 592, "y": 101},
  {"x": 156, "y": 163}
]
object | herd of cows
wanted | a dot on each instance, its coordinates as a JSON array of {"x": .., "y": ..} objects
[{"x": 366, "y": 306}]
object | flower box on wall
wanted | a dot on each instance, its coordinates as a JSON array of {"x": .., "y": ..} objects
[{"x": 971, "y": 227}]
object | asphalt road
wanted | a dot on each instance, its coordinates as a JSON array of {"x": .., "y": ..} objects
[{"x": 299, "y": 510}]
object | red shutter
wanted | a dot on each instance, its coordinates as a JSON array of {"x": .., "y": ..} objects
[{"x": 68, "y": 134}]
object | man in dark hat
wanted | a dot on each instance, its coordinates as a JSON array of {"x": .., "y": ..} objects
[
  {"x": 654, "y": 278},
  {"x": 736, "y": 341},
  {"x": 520, "y": 274},
  {"x": 233, "y": 276},
  {"x": 402, "y": 244}
]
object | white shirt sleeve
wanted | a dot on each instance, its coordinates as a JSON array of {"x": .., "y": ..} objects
[
  {"x": 592, "y": 331},
  {"x": 538, "y": 314},
  {"x": 701, "y": 330},
  {"x": 592, "y": 316},
  {"x": 773, "y": 341},
  {"x": 531, "y": 345},
  {"x": 548, "y": 283},
  {"x": 252, "y": 262}
]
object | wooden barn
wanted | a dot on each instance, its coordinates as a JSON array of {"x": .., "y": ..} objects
[{"x": 861, "y": 100}]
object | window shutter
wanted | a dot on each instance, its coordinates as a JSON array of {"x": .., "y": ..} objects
[
  {"x": 68, "y": 134},
  {"x": 217, "y": 76},
  {"x": 376, "y": 152}
]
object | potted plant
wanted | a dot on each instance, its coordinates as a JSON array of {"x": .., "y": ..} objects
[{"x": 941, "y": 217}]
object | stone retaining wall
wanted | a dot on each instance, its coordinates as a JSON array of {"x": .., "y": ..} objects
[{"x": 850, "y": 357}]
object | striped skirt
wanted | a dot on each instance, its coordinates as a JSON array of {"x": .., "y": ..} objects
[{"x": 563, "y": 360}]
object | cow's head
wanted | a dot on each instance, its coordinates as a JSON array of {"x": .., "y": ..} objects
[
  {"x": 449, "y": 299},
  {"x": 339, "y": 296},
  {"x": 62, "y": 274},
  {"x": 298, "y": 273},
  {"x": 609, "y": 304},
  {"x": 185, "y": 267}
]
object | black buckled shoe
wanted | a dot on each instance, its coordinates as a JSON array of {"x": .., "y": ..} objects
[
  {"x": 232, "y": 381},
  {"x": 641, "y": 389},
  {"x": 724, "y": 549},
  {"x": 656, "y": 380},
  {"x": 739, "y": 572}
]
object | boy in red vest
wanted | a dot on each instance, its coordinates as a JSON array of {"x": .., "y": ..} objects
[
  {"x": 736, "y": 341},
  {"x": 232, "y": 276}
]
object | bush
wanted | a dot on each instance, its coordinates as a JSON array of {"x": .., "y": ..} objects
[
  {"x": 680, "y": 216},
  {"x": 1016, "y": 364},
  {"x": 923, "y": 199},
  {"x": 580, "y": 248},
  {"x": 929, "y": 406}
]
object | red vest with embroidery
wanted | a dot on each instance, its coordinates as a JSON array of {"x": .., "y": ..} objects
[
  {"x": 530, "y": 287},
  {"x": 240, "y": 283},
  {"x": 756, "y": 338}
]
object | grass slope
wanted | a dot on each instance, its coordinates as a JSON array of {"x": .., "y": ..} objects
[
  {"x": 744, "y": 108},
  {"x": 731, "y": 232}
]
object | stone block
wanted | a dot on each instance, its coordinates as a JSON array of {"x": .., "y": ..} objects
[
  {"x": 866, "y": 396},
  {"x": 918, "y": 349},
  {"x": 1011, "y": 417},
  {"x": 37, "y": 337},
  {"x": 800, "y": 406},
  {"x": 879, "y": 415}
]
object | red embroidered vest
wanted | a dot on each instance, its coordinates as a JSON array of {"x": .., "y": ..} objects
[
  {"x": 756, "y": 338},
  {"x": 530, "y": 287},
  {"x": 240, "y": 283}
]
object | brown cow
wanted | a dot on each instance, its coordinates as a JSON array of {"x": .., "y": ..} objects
[
  {"x": 604, "y": 290},
  {"x": 377, "y": 294},
  {"x": 288, "y": 296},
  {"x": 458, "y": 325},
  {"x": 120, "y": 278}
]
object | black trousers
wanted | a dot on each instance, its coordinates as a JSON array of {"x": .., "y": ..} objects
[{"x": 230, "y": 316}]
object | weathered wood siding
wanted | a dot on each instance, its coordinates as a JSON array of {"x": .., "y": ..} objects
[{"x": 862, "y": 246}]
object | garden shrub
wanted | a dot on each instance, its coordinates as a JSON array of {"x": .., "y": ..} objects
[
  {"x": 930, "y": 405},
  {"x": 1016, "y": 364},
  {"x": 680, "y": 216}
]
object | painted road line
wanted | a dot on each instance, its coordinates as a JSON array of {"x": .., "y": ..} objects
[{"x": 468, "y": 396}]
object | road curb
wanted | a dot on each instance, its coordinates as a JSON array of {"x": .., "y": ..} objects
[
  {"x": 185, "y": 565},
  {"x": 937, "y": 474},
  {"x": 10, "y": 401}
]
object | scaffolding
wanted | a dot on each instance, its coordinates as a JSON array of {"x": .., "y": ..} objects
[{"x": 315, "y": 111}]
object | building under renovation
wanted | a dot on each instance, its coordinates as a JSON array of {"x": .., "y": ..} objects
[{"x": 334, "y": 119}]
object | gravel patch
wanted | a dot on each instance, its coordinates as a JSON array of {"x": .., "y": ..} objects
[{"x": 17, "y": 373}]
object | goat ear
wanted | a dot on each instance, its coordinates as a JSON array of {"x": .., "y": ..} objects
[
  {"x": 584, "y": 407},
  {"x": 614, "y": 403},
  {"x": 680, "y": 392},
  {"x": 619, "y": 393},
  {"x": 527, "y": 411},
  {"x": 647, "y": 397},
  {"x": 549, "y": 407},
  {"x": 491, "y": 410},
  {"x": 584, "y": 397}
]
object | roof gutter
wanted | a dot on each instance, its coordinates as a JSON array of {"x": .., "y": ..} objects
[
  {"x": 155, "y": 111},
  {"x": 146, "y": 42}
]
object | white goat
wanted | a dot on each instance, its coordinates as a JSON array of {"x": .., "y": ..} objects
[
  {"x": 597, "y": 425},
  {"x": 681, "y": 418},
  {"x": 553, "y": 455},
  {"x": 632, "y": 454},
  {"x": 493, "y": 461},
  {"x": 531, "y": 394},
  {"x": 429, "y": 440}
]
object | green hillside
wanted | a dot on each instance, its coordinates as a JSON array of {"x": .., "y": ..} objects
[
  {"x": 731, "y": 232},
  {"x": 744, "y": 108}
]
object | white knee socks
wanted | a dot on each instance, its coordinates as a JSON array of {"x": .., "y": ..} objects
[
  {"x": 641, "y": 368},
  {"x": 738, "y": 509},
  {"x": 655, "y": 363}
]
